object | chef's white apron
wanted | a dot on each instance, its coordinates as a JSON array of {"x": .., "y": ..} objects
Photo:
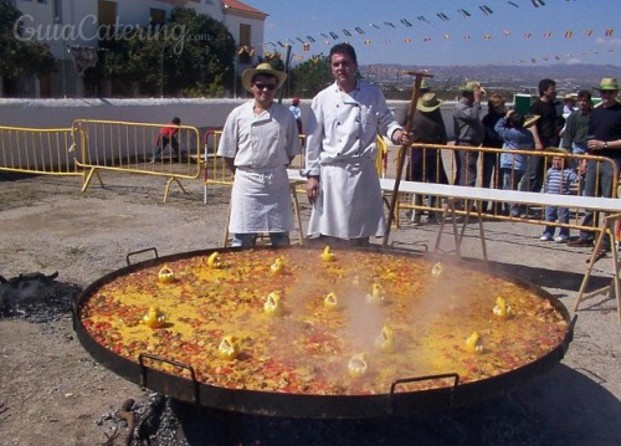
[
  {"x": 349, "y": 204},
  {"x": 261, "y": 201}
]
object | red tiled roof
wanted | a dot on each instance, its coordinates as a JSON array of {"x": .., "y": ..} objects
[{"x": 242, "y": 7}]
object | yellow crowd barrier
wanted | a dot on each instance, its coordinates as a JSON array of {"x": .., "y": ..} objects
[
  {"x": 36, "y": 151},
  {"x": 445, "y": 160},
  {"x": 130, "y": 147}
]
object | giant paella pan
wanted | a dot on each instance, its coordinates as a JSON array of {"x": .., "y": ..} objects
[{"x": 321, "y": 333}]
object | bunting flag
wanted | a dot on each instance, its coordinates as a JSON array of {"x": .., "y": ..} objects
[
  {"x": 486, "y": 10},
  {"x": 442, "y": 16}
]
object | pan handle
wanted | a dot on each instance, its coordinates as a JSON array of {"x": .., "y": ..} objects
[
  {"x": 393, "y": 386},
  {"x": 144, "y": 369},
  {"x": 129, "y": 255}
]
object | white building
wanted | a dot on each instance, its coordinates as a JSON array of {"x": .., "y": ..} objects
[{"x": 65, "y": 24}]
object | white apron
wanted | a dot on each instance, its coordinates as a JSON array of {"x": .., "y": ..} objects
[
  {"x": 261, "y": 201},
  {"x": 350, "y": 204}
]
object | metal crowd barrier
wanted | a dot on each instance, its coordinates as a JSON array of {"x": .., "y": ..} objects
[
  {"x": 129, "y": 147},
  {"x": 413, "y": 205},
  {"x": 36, "y": 151}
]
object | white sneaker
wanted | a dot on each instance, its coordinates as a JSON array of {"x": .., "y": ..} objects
[
  {"x": 560, "y": 239},
  {"x": 546, "y": 238}
]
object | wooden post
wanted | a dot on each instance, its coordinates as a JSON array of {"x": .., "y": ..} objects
[{"x": 418, "y": 79}]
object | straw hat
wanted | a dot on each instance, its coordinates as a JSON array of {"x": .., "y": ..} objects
[
  {"x": 530, "y": 120},
  {"x": 555, "y": 149},
  {"x": 424, "y": 86},
  {"x": 473, "y": 85},
  {"x": 428, "y": 102},
  {"x": 570, "y": 97},
  {"x": 262, "y": 68},
  {"x": 608, "y": 84}
]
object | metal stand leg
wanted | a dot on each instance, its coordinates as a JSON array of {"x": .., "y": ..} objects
[
  {"x": 614, "y": 289},
  {"x": 458, "y": 235}
]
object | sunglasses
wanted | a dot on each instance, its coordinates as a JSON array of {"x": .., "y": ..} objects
[{"x": 265, "y": 86}]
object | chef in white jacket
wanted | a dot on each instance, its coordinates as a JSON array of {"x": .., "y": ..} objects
[
  {"x": 259, "y": 140},
  {"x": 343, "y": 183}
]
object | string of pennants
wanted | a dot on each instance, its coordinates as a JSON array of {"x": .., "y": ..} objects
[{"x": 272, "y": 48}]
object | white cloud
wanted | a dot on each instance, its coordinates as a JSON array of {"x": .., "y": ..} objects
[{"x": 608, "y": 42}]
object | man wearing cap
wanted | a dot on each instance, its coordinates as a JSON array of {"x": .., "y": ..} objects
[
  {"x": 469, "y": 131},
  {"x": 343, "y": 184},
  {"x": 259, "y": 140},
  {"x": 604, "y": 140}
]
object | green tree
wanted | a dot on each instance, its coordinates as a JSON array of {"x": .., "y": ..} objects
[
  {"x": 191, "y": 53},
  {"x": 18, "y": 57},
  {"x": 311, "y": 76}
]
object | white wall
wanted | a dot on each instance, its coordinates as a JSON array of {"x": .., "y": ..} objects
[
  {"x": 60, "y": 113},
  {"x": 201, "y": 113}
]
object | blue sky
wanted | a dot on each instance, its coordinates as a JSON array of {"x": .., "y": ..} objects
[{"x": 497, "y": 37}]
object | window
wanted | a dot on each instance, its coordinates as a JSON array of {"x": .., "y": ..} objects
[
  {"x": 106, "y": 12},
  {"x": 58, "y": 10},
  {"x": 245, "y": 33},
  {"x": 157, "y": 17}
]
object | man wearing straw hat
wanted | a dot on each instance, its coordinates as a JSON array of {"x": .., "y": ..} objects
[
  {"x": 259, "y": 140},
  {"x": 604, "y": 140},
  {"x": 343, "y": 183},
  {"x": 426, "y": 164}
]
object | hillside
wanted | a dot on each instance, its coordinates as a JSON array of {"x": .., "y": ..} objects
[{"x": 517, "y": 77}]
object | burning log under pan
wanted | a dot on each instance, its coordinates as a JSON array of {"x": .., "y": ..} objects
[{"x": 343, "y": 333}]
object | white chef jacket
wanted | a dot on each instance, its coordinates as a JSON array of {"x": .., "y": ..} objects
[
  {"x": 341, "y": 149},
  {"x": 261, "y": 147}
]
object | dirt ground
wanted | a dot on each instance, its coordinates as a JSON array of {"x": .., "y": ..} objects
[{"x": 52, "y": 392}]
